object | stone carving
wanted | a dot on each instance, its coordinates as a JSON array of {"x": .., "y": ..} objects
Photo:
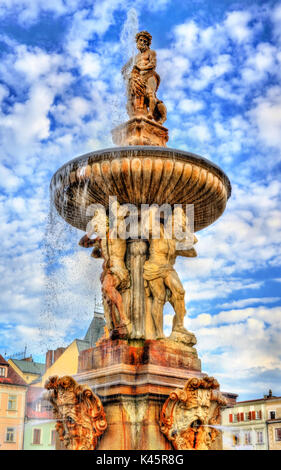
[
  {"x": 140, "y": 131},
  {"x": 162, "y": 282},
  {"x": 115, "y": 277},
  {"x": 143, "y": 82},
  {"x": 139, "y": 277},
  {"x": 147, "y": 113},
  {"x": 79, "y": 413},
  {"x": 189, "y": 417}
]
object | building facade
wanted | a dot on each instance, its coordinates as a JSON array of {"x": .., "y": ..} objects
[
  {"x": 12, "y": 407},
  {"x": 39, "y": 429},
  {"x": 253, "y": 424},
  {"x": 273, "y": 411}
]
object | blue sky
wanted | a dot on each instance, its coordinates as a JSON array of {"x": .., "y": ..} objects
[{"x": 60, "y": 94}]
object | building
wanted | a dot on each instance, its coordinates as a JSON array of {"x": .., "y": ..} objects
[
  {"x": 273, "y": 414},
  {"x": 27, "y": 368},
  {"x": 253, "y": 424},
  {"x": 13, "y": 390},
  {"x": 39, "y": 430}
]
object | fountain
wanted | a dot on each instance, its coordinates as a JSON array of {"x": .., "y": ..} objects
[{"x": 153, "y": 392}]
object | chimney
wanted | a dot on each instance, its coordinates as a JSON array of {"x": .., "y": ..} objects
[
  {"x": 58, "y": 352},
  {"x": 49, "y": 358},
  {"x": 28, "y": 359}
]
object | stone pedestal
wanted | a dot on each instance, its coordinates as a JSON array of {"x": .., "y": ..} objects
[
  {"x": 140, "y": 131},
  {"x": 133, "y": 380}
]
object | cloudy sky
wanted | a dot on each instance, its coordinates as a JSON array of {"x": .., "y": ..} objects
[{"x": 61, "y": 93}]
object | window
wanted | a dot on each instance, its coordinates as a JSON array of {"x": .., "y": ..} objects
[
  {"x": 271, "y": 414},
  {"x": 10, "y": 435},
  {"x": 12, "y": 402},
  {"x": 38, "y": 406},
  {"x": 278, "y": 434},
  {"x": 248, "y": 437},
  {"x": 53, "y": 437},
  {"x": 259, "y": 437},
  {"x": 236, "y": 439},
  {"x": 3, "y": 371},
  {"x": 258, "y": 414},
  {"x": 36, "y": 436}
]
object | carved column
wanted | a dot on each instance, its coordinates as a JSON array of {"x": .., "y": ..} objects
[{"x": 136, "y": 256}]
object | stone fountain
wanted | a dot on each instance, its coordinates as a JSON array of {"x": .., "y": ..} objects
[{"x": 152, "y": 390}]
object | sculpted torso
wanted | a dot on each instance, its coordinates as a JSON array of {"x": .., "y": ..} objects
[
  {"x": 162, "y": 251},
  {"x": 146, "y": 61},
  {"x": 113, "y": 250}
]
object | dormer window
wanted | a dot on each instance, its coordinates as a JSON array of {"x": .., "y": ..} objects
[{"x": 3, "y": 371}]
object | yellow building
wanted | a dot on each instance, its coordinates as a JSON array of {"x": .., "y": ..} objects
[
  {"x": 62, "y": 361},
  {"x": 12, "y": 407}
]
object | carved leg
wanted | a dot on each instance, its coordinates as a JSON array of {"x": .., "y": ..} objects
[
  {"x": 109, "y": 289},
  {"x": 173, "y": 282},
  {"x": 158, "y": 290}
]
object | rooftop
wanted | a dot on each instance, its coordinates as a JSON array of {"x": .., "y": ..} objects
[
  {"x": 12, "y": 377},
  {"x": 29, "y": 367}
]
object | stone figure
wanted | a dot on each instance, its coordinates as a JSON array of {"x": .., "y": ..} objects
[
  {"x": 143, "y": 82},
  {"x": 163, "y": 284},
  {"x": 115, "y": 276},
  {"x": 189, "y": 417},
  {"x": 79, "y": 413}
]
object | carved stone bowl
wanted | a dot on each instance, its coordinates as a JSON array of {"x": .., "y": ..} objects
[{"x": 140, "y": 175}]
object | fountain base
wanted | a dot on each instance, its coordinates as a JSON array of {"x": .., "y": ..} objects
[{"x": 133, "y": 380}]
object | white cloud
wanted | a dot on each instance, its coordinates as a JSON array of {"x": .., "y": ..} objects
[
  {"x": 200, "y": 132},
  {"x": 266, "y": 115},
  {"x": 251, "y": 301},
  {"x": 237, "y": 25},
  {"x": 190, "y": 106}
]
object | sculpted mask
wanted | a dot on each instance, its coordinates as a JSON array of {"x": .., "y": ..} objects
[
  {"x": 189, "y": 416},
  {"x": 79, "y": 413}
]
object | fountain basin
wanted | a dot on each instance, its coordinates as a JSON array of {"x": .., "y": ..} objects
[{"x": 140, "y": 175}]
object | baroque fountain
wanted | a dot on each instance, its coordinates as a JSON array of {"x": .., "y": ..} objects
[{"x": 142, "y": 201}]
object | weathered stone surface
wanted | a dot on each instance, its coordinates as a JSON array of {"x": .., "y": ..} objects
[
  {"x": 78, "y": 411},
  {"x": 140, "y": 175},
  {"x": 140, "y": 131},
  {"x": 133, "y": 382},
  {"x": 164, "y": 353},
  {"x": 189, "y": 417}
]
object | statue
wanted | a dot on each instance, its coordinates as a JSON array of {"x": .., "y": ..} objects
[
  {"x": 162, "y": 282},
  {"x": 115, "y": 276},
  {"x": 189, "y": 417},
  {"x": 79, "y": 413},
  {"x": 143, "y": 82}
]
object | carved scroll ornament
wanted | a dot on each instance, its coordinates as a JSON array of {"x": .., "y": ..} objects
[
  {"x": 189, "y": 417},
  {"x": 79, "y": 413}
]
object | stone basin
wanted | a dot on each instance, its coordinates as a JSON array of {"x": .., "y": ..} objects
[{"x": 140, "y": 175}]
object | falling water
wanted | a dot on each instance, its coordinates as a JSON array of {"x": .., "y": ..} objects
[
  {"x": 71, "y": 284},
  {"x": 127, "y": 51}
]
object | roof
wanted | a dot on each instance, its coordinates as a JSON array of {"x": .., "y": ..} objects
[
  {"x": 12, "y": 377},
  {"x": 96, "y": 329},
  {"x": 29, "y": 367},
  {"x": 82, "y": 345},
  {"x": 3, "y": 362},
  {"x": 257, "y": 400}
]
